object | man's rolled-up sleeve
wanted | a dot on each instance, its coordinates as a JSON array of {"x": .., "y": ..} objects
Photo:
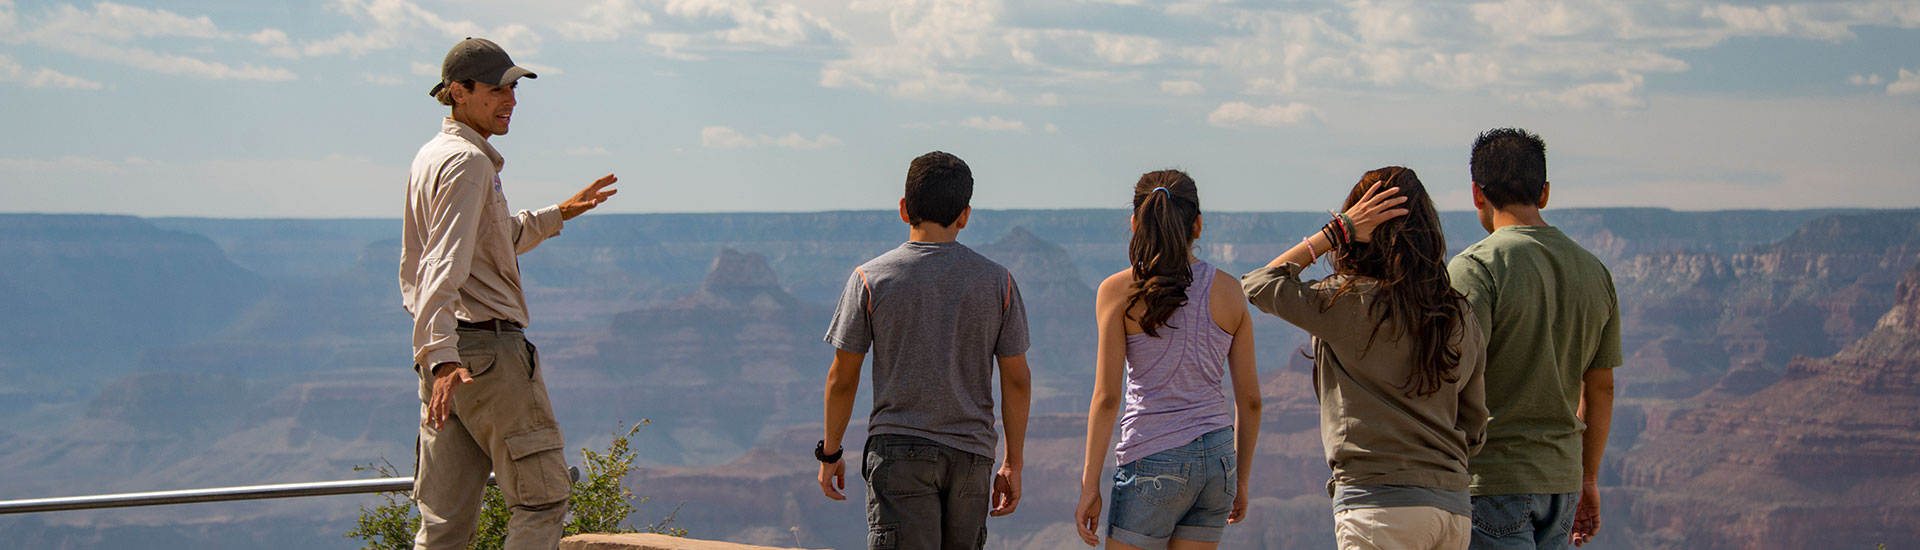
[{"x": 532, "y": 227}]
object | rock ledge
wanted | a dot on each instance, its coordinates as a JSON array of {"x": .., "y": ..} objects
[{"x": 648, "y": 541}]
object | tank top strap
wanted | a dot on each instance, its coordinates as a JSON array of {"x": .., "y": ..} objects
[{"x": 1199, "y": 293}]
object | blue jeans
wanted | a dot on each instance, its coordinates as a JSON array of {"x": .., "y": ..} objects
[
  {"x": 1181, "y": 493},
  {"x": 1523, "y": 522}
]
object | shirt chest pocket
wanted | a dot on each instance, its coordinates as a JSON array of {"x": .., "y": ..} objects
[{"x": 496, "y": 239}]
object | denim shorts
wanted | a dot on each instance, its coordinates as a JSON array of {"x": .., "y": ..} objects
[{"x": 1181, "y": 493}]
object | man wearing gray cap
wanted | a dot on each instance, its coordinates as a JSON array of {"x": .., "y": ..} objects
[{"x": 483, "y": 397}]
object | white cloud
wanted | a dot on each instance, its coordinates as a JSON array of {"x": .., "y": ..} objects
[
  {"x": 11, "y": 71},
  {"x": 1181, "y": 87},
  {"x": 1268, "y": 86},
  {"x": 1049, "y": 99},
  {"x": 994, "y": 124},
  {"x": 605, "y": 20},
  {"x": 390, "y": 23},
  {"x": 430, "y": 70},
  {"x": 587, "y": 152},
  {"x": 1799, "y": 20},
  {"x": 1051, "y": 128},
  {"x": 1624, "y": 94},
  {"x": 1908, "y": 83},
  {"x": 671, "y": 45},
  {"x": 539, "y": 69},
  {"x": 103, "y": 32},
  {"x": 1866, "y": 80},
  {"x": 1239, "y": 114},
  {"x": 796, "y": 141},
  {"x": 381, "y": 79},
  {"x": 1519, "y": 21},
  {"x": 722, "y": 137},
  {"x": 1124, "y": 49},
  {"x": 756, "y": 24}
]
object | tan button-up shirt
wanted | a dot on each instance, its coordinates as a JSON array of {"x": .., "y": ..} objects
[{"x": 458, "y": 255}]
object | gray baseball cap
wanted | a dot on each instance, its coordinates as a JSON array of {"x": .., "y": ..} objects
[{"x": 479, "y": 60}]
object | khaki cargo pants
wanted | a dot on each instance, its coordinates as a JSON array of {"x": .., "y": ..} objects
[{"x": 501, "y": 423}]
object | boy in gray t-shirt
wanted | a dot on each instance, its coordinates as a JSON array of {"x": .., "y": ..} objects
[{"x": 937, "y": 316}]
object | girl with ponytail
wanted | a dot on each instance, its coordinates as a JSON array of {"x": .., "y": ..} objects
[
  {"x": 1398, "y": 364},
  {"x": 1170, "y": 327}
]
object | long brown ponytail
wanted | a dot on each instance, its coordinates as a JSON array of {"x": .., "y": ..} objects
[
  {"x": 1407, "y": 259},
  {"x": 1165, "y": 206}
]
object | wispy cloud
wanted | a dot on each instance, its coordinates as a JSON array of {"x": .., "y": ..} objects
[
  {"x": 1866, "y": 80},
  {"x": 1908, "y": 83},
  {"x": 105, "y": 33},
  {"x": 391, "y": 23},
  {"x": 1239, "y": 114},
  {"x": 604, "y": 20},
  {"x": 1181, "y": 87},
  {"x": 722, "y": 137},
  {"x": 381, "y": 79},
  {"x": 994, "y": 124},
  {"x": 11, "y": 71},
  {"x": 587, "y": 152}
]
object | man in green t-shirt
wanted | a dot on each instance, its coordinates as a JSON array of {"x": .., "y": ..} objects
[{"x": 1553, "y": 326}]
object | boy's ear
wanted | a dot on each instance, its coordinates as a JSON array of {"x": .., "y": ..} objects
[
  {"x": 1479, "y": 200},
  {"x": 904, "y": 218},
  {"x": 961, "y": 222},
  {"x": 1545, "y": 189}
]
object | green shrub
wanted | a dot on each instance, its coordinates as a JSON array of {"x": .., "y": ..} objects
[{"x": 600, "y": 504}]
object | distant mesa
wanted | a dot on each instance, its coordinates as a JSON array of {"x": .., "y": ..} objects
[
  {"x": 1044, "y": 270},
  {"x": 740, "y": 280}
]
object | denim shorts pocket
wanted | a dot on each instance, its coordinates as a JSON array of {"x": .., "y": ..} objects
[
  {"x": 1155, "y": 482},
  {"x": 1501, "y": 515},
  {"x": 1231, "y": 465},
  {"x": 907, "y": 469}
]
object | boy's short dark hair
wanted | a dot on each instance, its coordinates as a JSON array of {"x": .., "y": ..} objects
[
  {"x": 1510, "y": 166},
  {"x": 939, "y": 186}
]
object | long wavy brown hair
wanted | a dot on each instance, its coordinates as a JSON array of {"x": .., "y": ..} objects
[
  {"x": 1163, "y": 223},
  {"x": 1406, "y": 262}
]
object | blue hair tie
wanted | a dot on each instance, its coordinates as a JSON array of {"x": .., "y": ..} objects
[{"x": 1161, "y": 190}]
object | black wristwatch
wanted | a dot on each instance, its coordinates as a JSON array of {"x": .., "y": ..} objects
[{"x": 820, "y": 453}]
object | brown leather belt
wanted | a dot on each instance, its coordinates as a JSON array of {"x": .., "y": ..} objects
[{"x": 495, "y": 325}]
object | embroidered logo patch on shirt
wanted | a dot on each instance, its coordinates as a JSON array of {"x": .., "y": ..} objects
[{"x": 496, "y": 183}]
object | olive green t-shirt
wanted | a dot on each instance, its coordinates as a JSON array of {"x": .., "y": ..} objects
[{"x": 1550, "y": 314}]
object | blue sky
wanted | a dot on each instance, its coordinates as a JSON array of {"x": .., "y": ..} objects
[{"x": 314, "y": 108}]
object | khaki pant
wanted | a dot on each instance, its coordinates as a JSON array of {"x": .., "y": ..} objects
[
  {"x": 1401, "y": 528},
  {"x": 502, "y": 423}
]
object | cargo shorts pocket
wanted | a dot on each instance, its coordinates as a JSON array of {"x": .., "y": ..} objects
[
  {"x": 1501, "y": 515},
  {"x": 906, "y": 470},
  {"x": 883, "y": 537},
  {"x": 539, "y": 466}
]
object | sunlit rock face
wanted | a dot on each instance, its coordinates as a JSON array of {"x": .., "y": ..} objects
[{"x": 1828, "y": 455}]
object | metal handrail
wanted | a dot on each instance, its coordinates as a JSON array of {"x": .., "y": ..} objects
[{"x": 221, "y": 494}]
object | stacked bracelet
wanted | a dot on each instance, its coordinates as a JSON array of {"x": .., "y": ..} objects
[{"x": 1339, "y": 232}]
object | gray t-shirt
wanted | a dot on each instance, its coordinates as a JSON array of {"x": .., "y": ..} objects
[{"x": 935, "y": 316}]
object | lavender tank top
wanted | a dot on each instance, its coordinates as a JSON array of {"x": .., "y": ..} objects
[{"x": 1173, "y": 381}]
